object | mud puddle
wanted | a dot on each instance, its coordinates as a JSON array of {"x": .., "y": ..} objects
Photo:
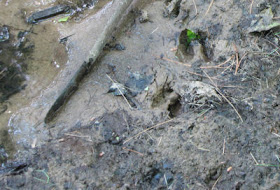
[{"x": 190, "y": 118}]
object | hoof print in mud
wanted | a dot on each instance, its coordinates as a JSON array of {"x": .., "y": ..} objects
[
  {"x": 175, "y": 106},
  {"x": 167, "y": 99},
  {"x": 194, "y": 45},
  {"x": 172, "y": 8}
]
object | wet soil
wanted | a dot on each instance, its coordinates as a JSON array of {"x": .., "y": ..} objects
[
  {"x": 192, "y": 120},
  {"x": 35, "y": 57}
]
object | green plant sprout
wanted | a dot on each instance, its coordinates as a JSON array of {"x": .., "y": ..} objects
[{"x": 191, "y": 36}]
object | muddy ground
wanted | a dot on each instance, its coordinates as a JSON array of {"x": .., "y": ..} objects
[{"x": 191, "y": 117}]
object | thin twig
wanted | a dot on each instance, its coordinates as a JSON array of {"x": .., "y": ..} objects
[
  {"x": 196, "y": 12},
  {"x": 251, "y": 6},
  {"x": 3, "y": 70},
  {"x": 204, "y": 149},
  {"x": 184, "y": 64},
  {"x": 154, "y": 30},
  {"x": 219, "y": 91},
  {"x": 217, "y": 66},
  {"x": 157, "y": 125},
  {"x": 254, "y": 158},
  {"x": 165, "y": 180},
  {"x": 209, "y": 7},
  {"x": 236, "y": 56},
  {"x": 229, "y": 67},
  {"x": 42, "y": 180},
  {"x": 159, "y": 141},
  {"x": 273, "y": 45},
  {"x": 268, "y": 165},
  {"x": 120, "y": 91},
  {"x": 79, "y": 136},
  {"x": 277, "y": 157},
  {"x": 149, "y": 136},
  {"x": 204, "y": 112},
  {"x": 240, "y": 62},
  {"x": 172, "y": 61},
  {"x": 224, "y": 146},
  {"x": 130, "y": 150},
  {"x": 216, "y": 182}
]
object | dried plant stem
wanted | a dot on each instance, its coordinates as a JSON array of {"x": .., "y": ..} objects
[
  {"x": 209, "y": 7},
  {"x": 120, "y": 92},
  {"x": 196, "y": 12},
  {"x": 251, "y": 6}
]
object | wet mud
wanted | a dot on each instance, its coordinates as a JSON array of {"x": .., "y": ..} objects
[{"x": 195, "y": 114}]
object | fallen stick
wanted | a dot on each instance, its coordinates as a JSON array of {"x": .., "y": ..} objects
[
  {"x": 93, "y": 55},
  {"x": 47, "y": 13}
]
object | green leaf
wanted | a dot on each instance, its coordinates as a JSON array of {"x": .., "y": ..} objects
[
  {"x": 64, "y": 19},
  {"x": 191, "y": 36}
]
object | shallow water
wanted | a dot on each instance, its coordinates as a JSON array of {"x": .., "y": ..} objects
[{"x": 44, "y": 63}]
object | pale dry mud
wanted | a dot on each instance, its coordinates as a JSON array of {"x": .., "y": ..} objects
[{"x": 196, "y": 140}]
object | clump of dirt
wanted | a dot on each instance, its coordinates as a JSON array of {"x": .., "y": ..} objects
[{"x": 206, "y": 120}]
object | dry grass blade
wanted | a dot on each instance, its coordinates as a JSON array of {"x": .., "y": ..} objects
[
  {"x": 184, "y": 64},
  {"x": 254, "y": 158},
  {"x": 251, "y": 6},
  {"x": 3, "y": 70},
  {"x": 217, "y": 66},
  {"x": 224, "y": 146},
  {"x": 238, "y": 65},
  {"x": 157, "y": 125},
  {"x": 215, "y": 183},
  {"x": 236, "y": 56},
  {"x": 172, "y": 61},
  {"x": 196, "y": 12},
  {"x": 209, "y": 7},
  {"x": 79, "y": 136},
  {"x": 219, "y": 91},
  {"x": 274, "y": 46},
  {"x": 276, "y": 135},
  {"x": 120, "y": 92},
  {"x": 130, "y": 150}
]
